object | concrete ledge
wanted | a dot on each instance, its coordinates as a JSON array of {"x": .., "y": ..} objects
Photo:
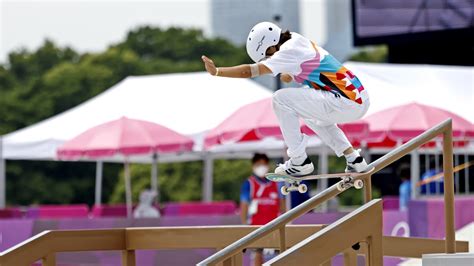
[{"x": 442, "y": 259}]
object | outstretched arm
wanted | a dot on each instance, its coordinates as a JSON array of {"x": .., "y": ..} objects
[{"x": 240, "y": 71}]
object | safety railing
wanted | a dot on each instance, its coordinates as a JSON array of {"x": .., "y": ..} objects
[
  {"x": 46, "y": 245},
  {"x": 444, "y": 128},
  {"x": 365, "y": 223}
]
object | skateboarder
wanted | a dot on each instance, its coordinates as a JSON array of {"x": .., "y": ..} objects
[{"x": 330, "y": 93}]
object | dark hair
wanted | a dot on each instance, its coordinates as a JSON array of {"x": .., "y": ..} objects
[
  {"x": 284, "y": 36},
  {"x": 260, "y": 156},
  {"x": 403, "y": 171}
]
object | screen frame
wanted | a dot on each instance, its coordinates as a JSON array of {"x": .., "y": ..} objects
[{"x": 435, "y": 35}]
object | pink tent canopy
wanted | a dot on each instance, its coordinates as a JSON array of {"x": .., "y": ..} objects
[
  {"x": 404, "y": 122},
  {"x": 127, "y": 137},
  {"x": 257, "y": 120}
]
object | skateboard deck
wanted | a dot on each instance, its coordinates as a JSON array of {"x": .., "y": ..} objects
[
  {"x": 347, "y": 180},
  {"x": 286, "y": 178}
]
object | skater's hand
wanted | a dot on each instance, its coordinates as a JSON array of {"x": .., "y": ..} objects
[
  {"x": 287, "y": 78},
  {"x": 209, "y": 65}
]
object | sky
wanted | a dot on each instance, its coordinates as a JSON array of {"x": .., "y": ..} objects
[{"x": 90, "y": 25}]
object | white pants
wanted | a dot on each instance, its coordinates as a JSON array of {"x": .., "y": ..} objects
[{"x": 321, "y": 111}]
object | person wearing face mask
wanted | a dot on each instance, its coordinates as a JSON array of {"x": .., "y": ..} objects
[{"x": 260, "y": 199}]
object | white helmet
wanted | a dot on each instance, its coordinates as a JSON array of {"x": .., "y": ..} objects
[{"x": 261, "y": 37}]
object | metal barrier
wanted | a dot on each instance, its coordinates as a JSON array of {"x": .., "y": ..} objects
[
  {"x": 279, "y": 223},
  {"x": 45, "y": 245},
  {"x": 364, "y": 223}
]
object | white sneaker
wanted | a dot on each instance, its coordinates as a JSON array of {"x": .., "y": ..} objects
[
  {"x": 358, "y": 165},
  {"x": 289, "y": 168}
]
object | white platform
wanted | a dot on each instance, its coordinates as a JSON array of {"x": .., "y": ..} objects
[{"x": 459, "y": 259}]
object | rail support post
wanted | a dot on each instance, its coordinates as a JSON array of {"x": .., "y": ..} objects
[
  {"x": 449, "y": 189},
  {"x": 235, "y": 260},
  {"x": 368, "y": 189},
  {"x": 128, "y": 257},
  {"x": 282, "y": 239}
]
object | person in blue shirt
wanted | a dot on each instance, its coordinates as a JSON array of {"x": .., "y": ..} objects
[
  {"x": 431, "y": 188},
  {"x": 405, "y": 186}
]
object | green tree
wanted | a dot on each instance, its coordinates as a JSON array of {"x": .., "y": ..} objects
[
  {"x": 35, "y": 85},
  {"x": 376, "y": 54},
  {"x": 178, "y": 46},
  {"x": 183, "y": 181}
]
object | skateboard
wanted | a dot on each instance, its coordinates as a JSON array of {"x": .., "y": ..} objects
[{"x": 347, "y": 180}]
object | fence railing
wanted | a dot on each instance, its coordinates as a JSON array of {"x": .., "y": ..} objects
[
  {"x": 444, "y": 128},
  {"x": 46, "y": 245},
  {"x": 365, "y": 223}
]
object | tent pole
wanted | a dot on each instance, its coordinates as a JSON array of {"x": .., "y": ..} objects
[
  {"x": 128, "y": 189},
  {"x": 98, "y": 182},
  {"x": 207, "y": 179},
  {"x": 466, "y": 175},
  {"x": 414, "y": 173},
  {"x": 154, "y": 177},
  {"x": 2, "y": 177}
]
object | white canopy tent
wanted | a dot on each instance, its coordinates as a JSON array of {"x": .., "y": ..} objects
[
  {"x": 189, "y": 103},
  {"x": 447, "y": 87}
]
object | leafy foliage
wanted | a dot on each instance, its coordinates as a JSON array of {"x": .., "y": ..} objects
[
  {"x": 183, "y": 181},
  {"x": 35, "y": 85},
  {"x": 378, "y": 54}
]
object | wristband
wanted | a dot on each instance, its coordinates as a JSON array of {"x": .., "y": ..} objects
[
  {"x": 254, "y": 71},
  {"x": 217, "y": 72}
]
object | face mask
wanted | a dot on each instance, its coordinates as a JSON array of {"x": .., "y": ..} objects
[{"x": 260, "y": 170}]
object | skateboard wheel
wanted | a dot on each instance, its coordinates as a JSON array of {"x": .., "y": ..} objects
[
  {"x": 284, "y": 190},
  {"x": 358, "y": 184},
  {"x": 340, "y": 186},
  {"x": 302, "y": 188}
]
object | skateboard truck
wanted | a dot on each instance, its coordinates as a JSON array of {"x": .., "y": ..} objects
[
  {"x": 294, "y": 186},
  {"x": 348, "y": 182},
  {"x": 345, "y": 183}
]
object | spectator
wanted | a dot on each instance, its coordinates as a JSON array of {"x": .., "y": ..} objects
[
  {"x": 436, "y": 186},
  {"x": 260, "y": 199},
  {"x": 405, "y": 187},
  {"x": 145, "y": 208}
]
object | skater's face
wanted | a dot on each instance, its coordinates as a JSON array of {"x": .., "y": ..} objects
[{"x": 260, "y": 168}]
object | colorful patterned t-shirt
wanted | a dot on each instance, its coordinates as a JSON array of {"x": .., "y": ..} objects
[{"x": 311, "y": 65}]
